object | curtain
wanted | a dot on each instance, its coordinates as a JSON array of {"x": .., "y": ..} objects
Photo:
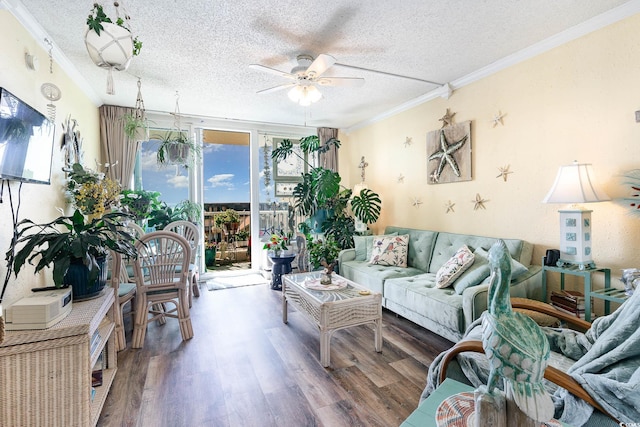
[
  {"x": 328, "y": 160},
  {"x": 117, "y": 149}
]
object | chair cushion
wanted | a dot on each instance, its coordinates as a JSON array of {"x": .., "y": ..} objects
[
  {"x": 391, "y": 251},
  {"x": 125, "y": 288}
]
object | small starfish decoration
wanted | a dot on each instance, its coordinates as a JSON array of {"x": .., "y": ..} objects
[
  {"x": 407, "y": 142},
  {"x": 479, "y": 202},
  {"x": 445, "y": 154},
  {"x": 497, "y": 119},
  {"x": 447, "y": 119},
  {"x": 449, "y": 205},
  {"x": 400, "y": 179},
  {"x": 417, "y": 202},
  {"x": 504, "y": 172}
]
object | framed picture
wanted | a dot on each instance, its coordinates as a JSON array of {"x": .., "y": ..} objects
[
  {"x": 293, "y": 167},
  {"x": 449, "y": 154},
  {"x": 285, "y": 188}
]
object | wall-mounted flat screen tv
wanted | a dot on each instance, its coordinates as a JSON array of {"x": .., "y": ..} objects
[{"x": 26, "y": 141}]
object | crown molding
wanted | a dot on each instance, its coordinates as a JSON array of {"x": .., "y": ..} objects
[
  {"x": 17, "y": 9},
  {"x": 610, "y": 17}
]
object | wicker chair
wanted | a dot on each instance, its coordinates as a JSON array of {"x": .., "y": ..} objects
[
  {"x": 126, "y": 291},
  {"x": 552, "y": 374},
  {"x": 160, "y": 255},
  {"x": 191, "y": 232}
]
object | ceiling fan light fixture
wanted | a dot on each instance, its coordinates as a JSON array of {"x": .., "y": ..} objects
[{"x": 304, "y": 95}]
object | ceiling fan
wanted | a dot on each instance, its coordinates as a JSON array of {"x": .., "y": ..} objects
[{"x": 305, "y": 78}]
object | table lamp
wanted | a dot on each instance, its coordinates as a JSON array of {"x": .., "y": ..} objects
[{"x": 575, "y": 184}]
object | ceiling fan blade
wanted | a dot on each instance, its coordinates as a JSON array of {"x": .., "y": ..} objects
[
  {"x": 269, "y": 70},
  {"x": 320, "y": 65},
  {"x": 277, "y": 88},
  {"x": 340, "y": 81}
]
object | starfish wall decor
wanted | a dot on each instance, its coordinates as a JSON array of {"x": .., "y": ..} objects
[
  {"x": 416, "y": 202},
  {"x": 449, "y": 205},
  {"x": 479, "y": 202},
  {"x": 407, "y": 142},
  {"x": 449, "y": 154},
  {"x": 504, "y": 172},
  {"x": 400, "y": 179},
  {"x": 447, "y": 119},
  {"x": 497, "y": 119}
]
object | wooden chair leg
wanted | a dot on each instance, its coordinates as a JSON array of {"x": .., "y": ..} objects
[{"x": 140, "y": 323}]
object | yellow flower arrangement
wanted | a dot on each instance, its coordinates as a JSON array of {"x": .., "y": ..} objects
[{"x": 92, "y": 193}]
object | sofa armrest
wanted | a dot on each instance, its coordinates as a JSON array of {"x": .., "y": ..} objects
[
  {"x": 346, "y": 255},
  {"x": 527, "y": 285}
]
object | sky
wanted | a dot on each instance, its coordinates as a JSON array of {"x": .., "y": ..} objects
[{"x": 226, "y": 174}]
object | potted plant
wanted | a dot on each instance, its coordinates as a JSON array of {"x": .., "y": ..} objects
[
  {"x": 277, "y": 243},
  {"x": 110, "y": 44},
  {"x": 210, "y": 254},
  {"x": 76, "y": 246},
  {"x": 175, "y": 148},
  {"x": 321, "y": 197},
  {"x": 324, "y": 253},
  {"x": 136, "y": 128},
  {"x": 189, "y": 211},
  {"x": 139, "y": 203},
  {"x": 91, "y": 192},
  {"x": 229, "y": 219}
]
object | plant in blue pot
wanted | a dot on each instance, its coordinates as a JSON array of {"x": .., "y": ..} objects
[{"x": 76, "y": 246}]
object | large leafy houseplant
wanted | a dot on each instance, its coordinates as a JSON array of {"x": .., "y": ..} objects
[
  {"x": 71, "y": 238},
  {"x": 320, "y": 191}
]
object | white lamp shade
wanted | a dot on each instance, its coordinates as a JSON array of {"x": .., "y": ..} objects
[{"x": 575, "y": 183}]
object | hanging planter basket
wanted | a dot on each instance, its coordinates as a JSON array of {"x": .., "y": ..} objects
[
  {"x": 113, "y": 48},
  {"x": 177, "y": 153}
]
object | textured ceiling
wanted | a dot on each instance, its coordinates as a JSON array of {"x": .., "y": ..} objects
[{"x": 203, "y": 48}]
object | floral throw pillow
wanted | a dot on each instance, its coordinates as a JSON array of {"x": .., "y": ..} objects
[
  {"x": 457, "y": 264},
  {"x": 390, "y": 250}
]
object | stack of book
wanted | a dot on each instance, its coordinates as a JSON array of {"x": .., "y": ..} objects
[{"x": 571, "y": 302}]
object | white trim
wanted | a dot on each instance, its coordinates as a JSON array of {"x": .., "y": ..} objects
[
  {"x": 607, "y": 18},
  {"x": 17, "y": 9}
]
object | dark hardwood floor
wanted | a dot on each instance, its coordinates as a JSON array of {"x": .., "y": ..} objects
[{"x": 244, "y": 367}]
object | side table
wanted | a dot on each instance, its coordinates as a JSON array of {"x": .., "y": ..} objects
[
  {"x": 281, "y": 265},
  {"x": 608, "y": 294}
]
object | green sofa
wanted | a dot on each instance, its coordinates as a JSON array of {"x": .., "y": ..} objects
[{"x": 410, "y": 291}]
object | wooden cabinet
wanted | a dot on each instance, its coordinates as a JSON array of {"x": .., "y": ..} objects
[{"x": 45, "y": 375}]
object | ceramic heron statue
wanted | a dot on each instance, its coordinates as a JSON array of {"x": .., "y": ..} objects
[{"x": 515, "y": 345}]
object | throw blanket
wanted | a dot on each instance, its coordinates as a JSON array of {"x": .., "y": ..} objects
[{"x": 607, "y": 365}]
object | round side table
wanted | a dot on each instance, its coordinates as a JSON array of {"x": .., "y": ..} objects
[{"x": 281, "y": 265}]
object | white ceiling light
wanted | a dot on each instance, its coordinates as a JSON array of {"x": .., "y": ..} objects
[{"x": 304, "y": 94}]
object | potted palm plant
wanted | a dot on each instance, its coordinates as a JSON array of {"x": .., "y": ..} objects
[{"x": 76, "y": 247}]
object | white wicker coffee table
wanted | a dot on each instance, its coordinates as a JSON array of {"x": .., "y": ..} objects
[{"x": 334, "y": 309}]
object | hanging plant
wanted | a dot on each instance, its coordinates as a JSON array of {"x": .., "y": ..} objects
[
  {"x": 176, "y": 146},
  {"x": 110, "y": 44}
]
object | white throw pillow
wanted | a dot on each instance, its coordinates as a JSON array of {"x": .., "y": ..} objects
[
  {"x": 454, "y": 267},
  {"x": 391, "y": 250}
]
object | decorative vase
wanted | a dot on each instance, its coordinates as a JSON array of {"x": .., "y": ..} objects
[
  {"x": 325, "y": 278},
  {"x": 77, "y": 277},
  {"x": 276, "y": 253}
]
